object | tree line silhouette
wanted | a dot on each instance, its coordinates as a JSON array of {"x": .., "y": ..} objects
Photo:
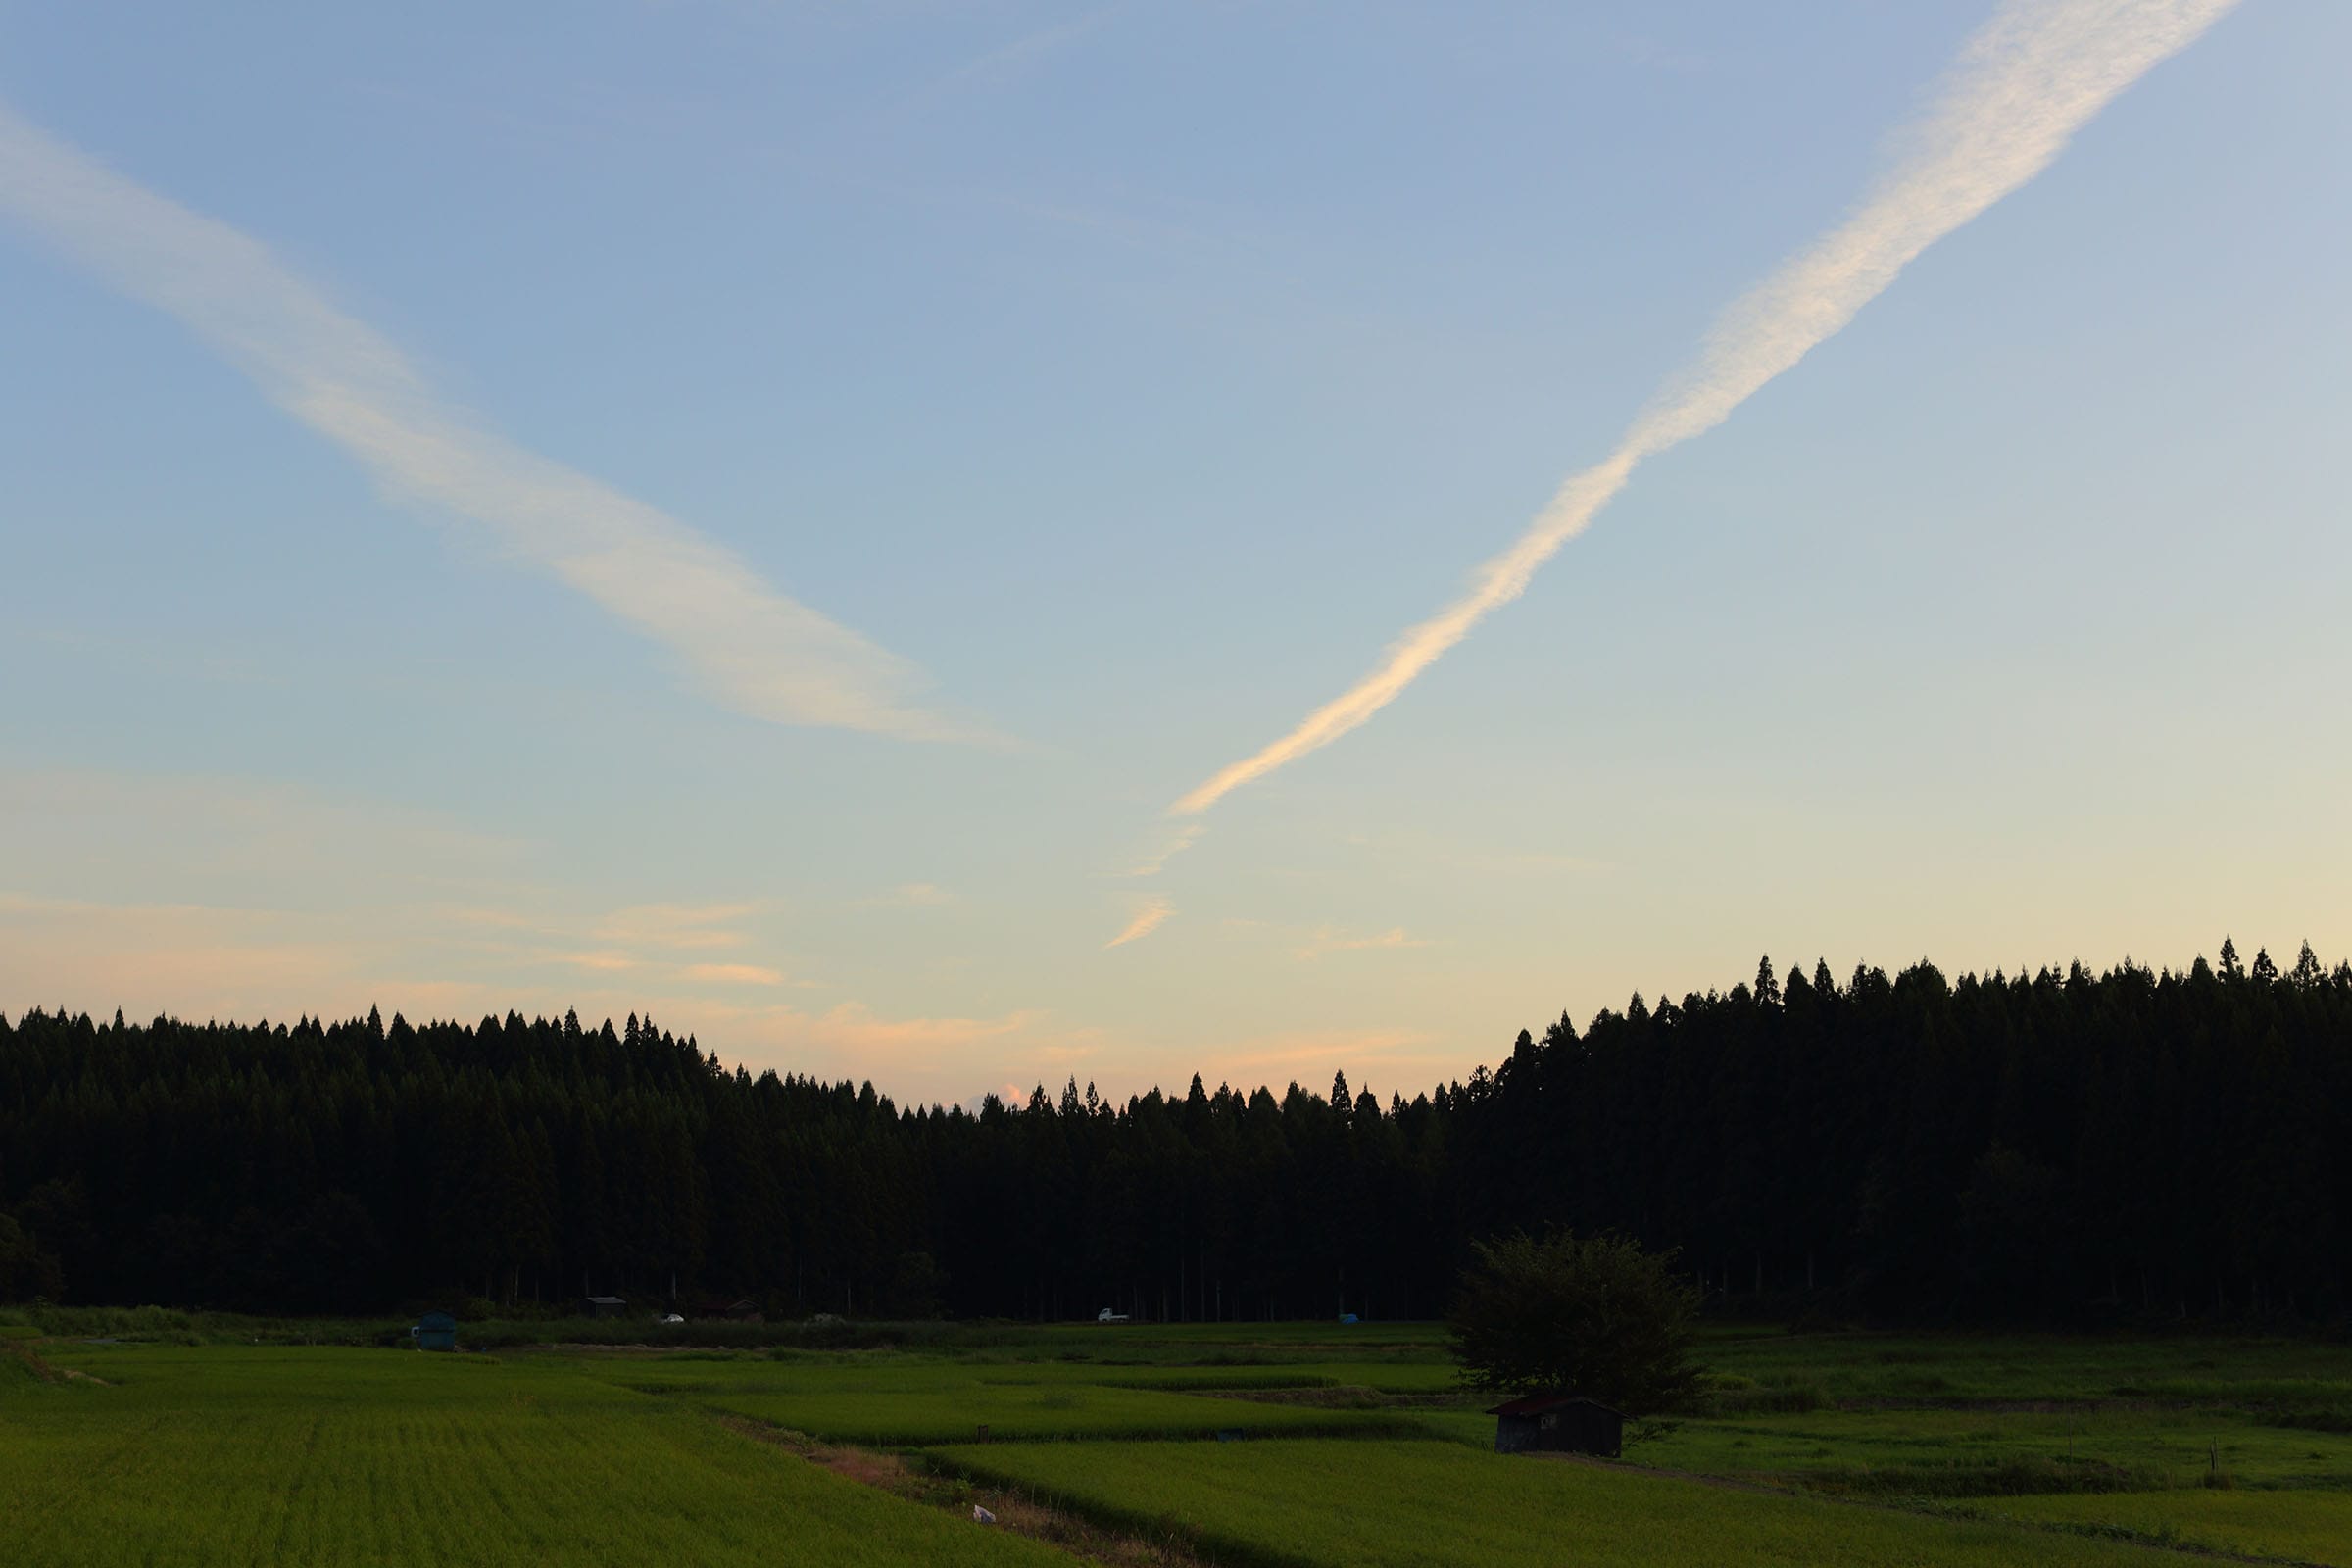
[{"x": 2059, "y": 1147}]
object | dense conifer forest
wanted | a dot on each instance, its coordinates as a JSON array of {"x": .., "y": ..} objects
[{"x": 2065, "y": 1147}]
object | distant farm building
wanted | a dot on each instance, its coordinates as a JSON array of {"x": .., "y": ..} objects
[
  {"x": 602, "y": 1306},
  {"x": 1558, "y": 1423},
  {"x": 435, "y": 1331}
]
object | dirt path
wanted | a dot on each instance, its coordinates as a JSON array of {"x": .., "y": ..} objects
[{"x": 897, "y": 1474}]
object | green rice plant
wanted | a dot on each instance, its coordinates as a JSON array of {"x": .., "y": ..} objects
[
  {"x": 1385, "y": 1504},
  {"x": 956, "y": 1414},
  {"x": 1962, "y": 1452},
  {"x": 324, "y": 1458},
  {"x": 1995, "y": 1477},
  {"x": 2301, "y": 1525}
]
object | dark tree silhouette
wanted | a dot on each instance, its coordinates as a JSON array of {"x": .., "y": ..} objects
[{"x": 2062, "y": 1147}]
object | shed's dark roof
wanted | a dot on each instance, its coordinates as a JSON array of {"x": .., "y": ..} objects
[
  {"x": 1537, "y": 1404},
  {"x": 438, "y": 1320},
  {"x": 608, "y": 1301}
]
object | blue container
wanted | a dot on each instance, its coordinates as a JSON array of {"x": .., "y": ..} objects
[{"x": 435, "y": 1331}]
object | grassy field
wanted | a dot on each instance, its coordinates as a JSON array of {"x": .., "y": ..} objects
[
  {"x": 2311, "y": 1525},
  {"x": 333, "y": 1457},
  {"x": 1387, "y": 1504},
  {"x": 955, "y": 1412},
  {"x": 174, "y": 1446}
]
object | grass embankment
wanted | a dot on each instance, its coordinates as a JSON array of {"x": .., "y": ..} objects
[
  {"x": 1387, "y": 1504},
  {"x": 954, "y": 1414}
]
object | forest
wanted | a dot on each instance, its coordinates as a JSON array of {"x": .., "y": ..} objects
[{"x": 2063, "y": 1147}]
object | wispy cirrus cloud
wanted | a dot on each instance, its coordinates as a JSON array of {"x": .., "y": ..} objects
[
  {"x": 912, "y": 895},
  {"x": 736, "y": 974},
  {"x": 857, "y": 1027},
  {"x": 600, "y": 961},
  {"x": 1328, "y": 940},
  {"x": 745, "y": 644},
  {"x": 1148, "y": 919},
  {"x": 676, "y": 925},
  {"x": 2033, "y": 77},
  {"x": 1156, "y": 859}
]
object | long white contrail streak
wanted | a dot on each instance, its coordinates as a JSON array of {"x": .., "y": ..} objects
[
  {"x": 752, "y": 648},
  {"x": 2037, "y": 73}
]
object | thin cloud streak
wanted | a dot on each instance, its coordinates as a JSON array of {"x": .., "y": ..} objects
[
  {"x": 748, "y": 647},
  {"x": 1327, "y": 941},
  {"x": 1158, "y": 860},
  {"x": 1154, "y": 909},
  {"x": 2037, "y": 73},
  {"x": 736, "y": 974}
]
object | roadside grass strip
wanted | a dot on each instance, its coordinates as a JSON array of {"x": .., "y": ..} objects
[{"x": 1313, "y": 1503}]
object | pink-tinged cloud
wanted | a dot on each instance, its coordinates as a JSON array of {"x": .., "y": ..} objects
[
  {"x": 735, "y": 974},
  {"x": 1328, "y": 941},
  {"x": 1146, "y": 920},
  {"x": 605, "y": 962}
]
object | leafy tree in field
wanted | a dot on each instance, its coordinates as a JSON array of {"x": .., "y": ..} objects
[{"x": 1596, "y": 1315}]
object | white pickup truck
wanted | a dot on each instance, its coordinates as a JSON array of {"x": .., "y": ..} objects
[{"x": 1107, "y": 1315}]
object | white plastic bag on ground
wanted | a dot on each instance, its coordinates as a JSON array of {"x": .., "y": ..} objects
[{"x": 983, "y": 1515}]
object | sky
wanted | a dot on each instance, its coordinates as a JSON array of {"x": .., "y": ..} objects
[{"x": 775, "y": 517}]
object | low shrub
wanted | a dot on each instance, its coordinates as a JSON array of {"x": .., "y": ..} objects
[{"x": 1787, "y": 1398}]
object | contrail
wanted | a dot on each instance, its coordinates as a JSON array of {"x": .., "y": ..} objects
[
  {"x": 750, "y": 647},
  {"x": 2037, "y": 74}
]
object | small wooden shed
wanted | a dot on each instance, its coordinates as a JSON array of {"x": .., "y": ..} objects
[
  {"x": 436, "y": 1331},
  {"x": 602, "y": 1306},
  {"x": 1558, "y": 1423}
]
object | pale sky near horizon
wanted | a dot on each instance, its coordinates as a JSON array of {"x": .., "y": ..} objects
[{"x": 751, "y": 513}]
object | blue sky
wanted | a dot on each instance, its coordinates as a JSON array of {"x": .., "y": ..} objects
[{"x": 1133, "y": 375}]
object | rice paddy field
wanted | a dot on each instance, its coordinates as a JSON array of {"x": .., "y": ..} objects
[{"x": 1293, "y": 1445}]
